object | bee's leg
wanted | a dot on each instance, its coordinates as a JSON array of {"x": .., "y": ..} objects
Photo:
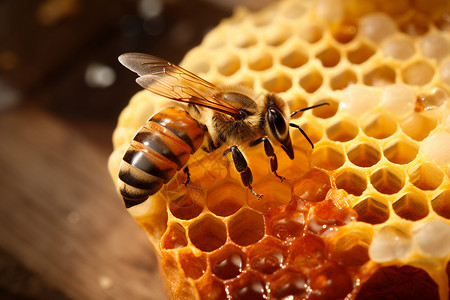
[
  {"x": 188, "y": 175},
  {"x": 240, "y": 163},
  {"x": 268, "y": 149},
  {"x": 303, "y": 132}
]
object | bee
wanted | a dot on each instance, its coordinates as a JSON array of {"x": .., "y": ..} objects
[{"x": 214, "y": 116}]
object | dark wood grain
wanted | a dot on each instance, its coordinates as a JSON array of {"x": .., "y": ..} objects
[{"x": 61, "y": 218}]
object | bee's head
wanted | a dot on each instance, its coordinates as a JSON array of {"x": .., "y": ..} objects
[{"x": 277, "y": 123}]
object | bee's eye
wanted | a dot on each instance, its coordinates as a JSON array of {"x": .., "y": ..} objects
[{"x": 277, "y": 123}]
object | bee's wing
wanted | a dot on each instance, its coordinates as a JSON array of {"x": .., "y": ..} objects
[{"x": 171, "y": 81}]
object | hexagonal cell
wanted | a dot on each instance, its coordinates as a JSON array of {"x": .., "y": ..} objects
[
  {"x": 293, "y": 10},
  {"x": 209, "y": 287},
  {"x": 313, "y": 186},
  {"x": 401, "y": 151},
  {"x": 267, "y": 256},
  {"x": 415, "y": 25},
  {"x": 277, "y": 34},
  {"x": 391, "y": 242},
  {"x": 287, "y": 225},
  {"x": 342, "y": 131},
  {"x": 326, "y": 111},
  {"x": 352, "y": 181},
  {"x": 208, "y": 233},
  {"x": 228, "y": 262},
  {"x": 360, "y": 54},
  {"x": 418, "y": 73},
  {"x": 311, "y": 33},
  {"x": 295, "y": 58},
  {"x": 343, "y": 80},
  {"x": 312, "y": 128},
  {"x": 411, "y": 206},
  {"x": 372, "y": 210},
  {"x": 298, "y": 102},
  {"x": 229, "y": 64},
  {"x": 398, "y": 48},
  {"x": 364, "y": 154},
  {"x": 376, "y": 26},
  {"x": 289, "y": 283},
  {"x": 426, "y": 176},
  {"x": 193, "y": 266},
  {"x": 441, "y": 204},
  {"x": 259, "y": 60},
  {"x": 435, "y": 45},
  {"x": 296, "y": 167},
  {"x": 410, "y": 283},
  {"x": 308, "y": 251},
  {"x": 246, "y": 227},
  {"x": 329, "y": 57},
  {"x": 226, "y": 198},
  {"x": 276, "y": 193},
  {"x": 245, "y": 39},
  {"x": 312, "y": 81},
  {"x": 430, "y": 100},
  {"x": 206, "y": 172},
  {"x": 248, "y": 286},
  {"x": 387, "y": 180},
  {"x": 379, "y": 126},
  {"x": 394, "y": 7},
  {"x": 175, "y": 237},
  {"x": 277, "y": 83},
  {"x": 187, "y": 206},
  {"x": 344, "y": 32},
  {"x": 329, "y": 157},
  {"x": 418, "y": 126},
  {"x": 380, "y": 76},
  {"x": 331, "y": 281},
  {"x": 351, "y": 248}
]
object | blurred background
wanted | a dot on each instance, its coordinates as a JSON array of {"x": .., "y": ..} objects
[{"x": 64, "y": 233}]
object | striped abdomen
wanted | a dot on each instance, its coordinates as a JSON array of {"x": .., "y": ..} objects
[{"x": 159, "y": 149}]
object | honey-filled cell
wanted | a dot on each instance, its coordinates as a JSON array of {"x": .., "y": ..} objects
[
  {"x": 267, "y": 256},
  {"x": 331, "y": 281},
  {"x": 289, "y": 283},
  {"x": 351, "y": 248},
  {"x": 175, "y": 237},
  {"x": 228, "y": 262},
  {"x": 226, "y": 198},
  {"x": 308, "y": 251},
  {"x": 246, "y": 227},
  {"x": 313, "y": 186},
  {"x": 207, "y": 233},
  {"x": 249, "y": 286},
  {"x": 193, "y": 266},
  {"x": 186, "y": 205}
]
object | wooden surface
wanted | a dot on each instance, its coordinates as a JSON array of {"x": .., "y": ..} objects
[{"x": 64, "y": 232}]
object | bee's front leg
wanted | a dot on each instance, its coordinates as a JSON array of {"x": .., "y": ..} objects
[
  {"x": 240, "y": 163},
  {"x": 188, "y": 175},
  {"x": 268, "y": 149}
]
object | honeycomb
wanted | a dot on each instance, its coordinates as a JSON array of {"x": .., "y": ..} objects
[{"x": 363, "y": 215}]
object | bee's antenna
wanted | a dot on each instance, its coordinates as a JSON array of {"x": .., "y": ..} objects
[
  {"x": 303, "y": 132},
  {"x": 308, "y": 108}
]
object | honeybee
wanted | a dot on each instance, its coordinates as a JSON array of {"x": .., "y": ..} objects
[{"x": 214, "y": 116}]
